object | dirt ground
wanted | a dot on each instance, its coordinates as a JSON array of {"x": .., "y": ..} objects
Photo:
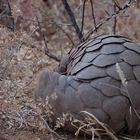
[
  {"x": 10, "y": 134},
  {"x": 22, "y": 57}
]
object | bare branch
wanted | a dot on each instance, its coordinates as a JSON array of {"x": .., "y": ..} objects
[
  {"x": 118, "y": 12},
  {"x": 45, "y": 42},
  {"x": 73, "y": 20},
  {"x": 6, "y": 13},
  {"x": 116, "y": 4},
  {"x": 42, "y": 35},
  {"x": 83, "y": 16},
  {"x": 68, "y": 36},
  {"x": 115, "y": 19},
  {"x": 93, "y": 15}
]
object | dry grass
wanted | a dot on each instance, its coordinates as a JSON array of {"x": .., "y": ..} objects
[
  {"x": 22, "y": 57},
  {"x": 98, "y": 130}
]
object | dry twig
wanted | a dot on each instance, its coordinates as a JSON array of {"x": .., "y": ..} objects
[
  {"x": 118, "y": 12},
  {"x": 73, "y": 20},
  {"x": 45, "y": 42}
]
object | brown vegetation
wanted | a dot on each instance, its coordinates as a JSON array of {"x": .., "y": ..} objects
[{"x": 35, "y": 34}]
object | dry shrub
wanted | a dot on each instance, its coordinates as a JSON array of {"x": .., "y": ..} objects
[{"x": 22, "y": 57}]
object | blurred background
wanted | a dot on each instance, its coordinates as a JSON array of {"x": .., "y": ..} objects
[{"x": 36, "y": 34}]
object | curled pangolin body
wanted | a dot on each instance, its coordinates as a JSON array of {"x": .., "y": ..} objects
[{"x": 102, "y": 76}]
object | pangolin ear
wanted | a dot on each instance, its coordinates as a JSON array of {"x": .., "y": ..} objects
[{"x": 44, "y": 78}]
